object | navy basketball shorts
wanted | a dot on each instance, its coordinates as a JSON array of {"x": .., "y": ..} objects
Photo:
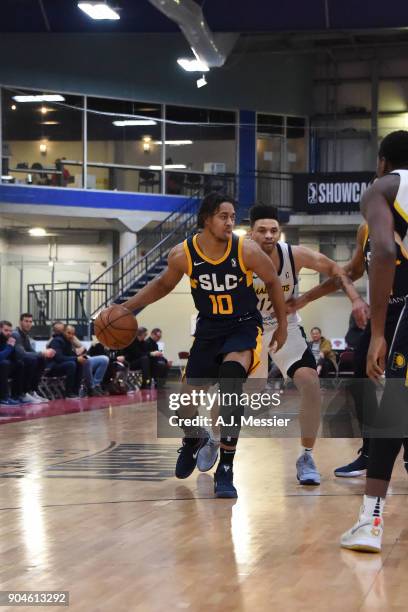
[{"x": 213, "y": 341}]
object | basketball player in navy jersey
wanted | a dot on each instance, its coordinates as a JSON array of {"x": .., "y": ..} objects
[
  {"x": 229, "y": 327},
  {"x": 363, "y": 389},
  {"x": 295, "y": 359},
  {"x": 385, "y": 208}
]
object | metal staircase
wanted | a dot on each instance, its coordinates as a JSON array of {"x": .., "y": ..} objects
[
  {"x": 133, "y": 271},
  {"x": 79, "y": 303}
]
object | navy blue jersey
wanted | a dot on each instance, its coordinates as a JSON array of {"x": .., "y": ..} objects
[
  {"x": 400, "y": 286},
  {"x": 222, "y": 290}
]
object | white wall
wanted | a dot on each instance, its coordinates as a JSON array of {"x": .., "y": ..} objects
[
  {"x": 33, "y": 258},
  {"x": 330, "y": 313},
  {"x": 173, "y": 315}
]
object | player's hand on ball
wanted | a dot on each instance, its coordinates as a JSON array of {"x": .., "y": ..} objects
[
  {"x": 361, "y": 312},
  {"x": 376, "y": 357},
  {"x": 115, "y": 327},
  {"x": 278, "y": 338}
]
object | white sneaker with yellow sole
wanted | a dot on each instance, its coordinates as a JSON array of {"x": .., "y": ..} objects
[{"x": 365, "y": 535}]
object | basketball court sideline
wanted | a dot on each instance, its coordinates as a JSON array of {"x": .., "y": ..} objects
[{"x": 90, "y": 505}]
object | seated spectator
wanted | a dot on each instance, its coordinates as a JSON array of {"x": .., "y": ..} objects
[
  {"x": 64, "y": 176},
  {"x": 10, "y": 367},
  {"x": 116, "y": 374},
  {"x": 323, "y": 353},
  {"x": 65, "y": 361},
  {"x": 159, "y": 365},
  {"x": 137, "y": 356},
  {"x": 95, "y": 368},
  {"x": 58, "y": 327},
  {"x": 34, "y": 362}
]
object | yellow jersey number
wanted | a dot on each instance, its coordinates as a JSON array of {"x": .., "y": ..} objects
[{"x": 221, "y": 304}]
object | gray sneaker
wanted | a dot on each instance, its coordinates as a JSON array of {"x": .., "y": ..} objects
[
  {"x": 208, "y": 455},
  {"x": 306, "y": 469}
]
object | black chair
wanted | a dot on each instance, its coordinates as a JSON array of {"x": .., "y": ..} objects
[
  {"x": 193, "y": 183},
  {"x": 148, "y": 181},
  {"x": 174, "y": 183},
  {"x": 52, "y": 387},
  {"x": 134, "y": 379}
]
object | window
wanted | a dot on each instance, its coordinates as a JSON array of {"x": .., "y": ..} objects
[
  {"x": 200, "y": 143},
  {"x": 296, "y": 144},
  {"x": 40, "y": 136},
  {"x": 124, "y": 150}
]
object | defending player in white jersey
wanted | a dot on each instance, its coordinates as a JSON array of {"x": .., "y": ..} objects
[{"x": 295, "y": 358}]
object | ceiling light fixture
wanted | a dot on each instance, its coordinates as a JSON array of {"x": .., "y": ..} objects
[
  {"x": 98, "y": 10},
  {"x": 40, "y": 98},
  {"x": 174, "y": 143},
  {"x": 13, "y": 107},
  {"x": 50, "y": 122},
  {"x": 146, "y": 143},
  {"x": 131, "y": 122},
  {"x": 192, "y": 65},
  {"x": 201, "y": 82},
  {"x": 38, "y": 232},
  {"x": 169, "y": 167}
]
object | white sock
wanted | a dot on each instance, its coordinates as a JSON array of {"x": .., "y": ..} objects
[
  {"x": 304, "y": 449},
  {"x": 373, "y": 506}
]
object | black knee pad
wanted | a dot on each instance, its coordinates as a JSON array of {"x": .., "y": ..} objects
[{"x": 232, "y": 376}]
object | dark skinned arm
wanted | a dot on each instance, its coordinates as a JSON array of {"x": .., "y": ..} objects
[{"x": 375, "y": 206}]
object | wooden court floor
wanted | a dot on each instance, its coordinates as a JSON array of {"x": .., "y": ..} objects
[{"x": 89, "y": 505}]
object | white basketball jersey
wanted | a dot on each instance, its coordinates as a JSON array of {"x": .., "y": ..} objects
[
  {"x": 287, "y": 277},
  {"x": 400, "y": 208}
]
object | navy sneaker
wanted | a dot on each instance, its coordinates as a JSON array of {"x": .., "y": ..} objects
[
  {"x": 223, "y": 481},
  {"x": 188, "y": 453},
  {"x": 353, "y": 469},
  {"x": 9, "y": 402}
]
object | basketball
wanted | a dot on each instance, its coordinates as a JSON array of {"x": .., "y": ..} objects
[{"x": 115, "y": 327}]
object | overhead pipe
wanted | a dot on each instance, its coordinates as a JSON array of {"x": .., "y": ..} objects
[{"x": 190, "y": 18}]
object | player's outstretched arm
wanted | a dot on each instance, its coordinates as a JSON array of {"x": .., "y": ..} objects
[
  {"x": 256, "y": 260},
  {"x": 162, "y": 285},
  {"x": 354, "y": 270},
  {"x": 375, "y": 206},
  {"x": 307, "y": 258}
]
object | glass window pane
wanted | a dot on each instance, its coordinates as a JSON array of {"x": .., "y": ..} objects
[
  {"x": 40, "y": 138},
  {"x": 123, "y": 133},
  {"x": 200, "y": 144},
  {"x": 269, "y": 124},
  {"x": 297, "y": 144}
]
